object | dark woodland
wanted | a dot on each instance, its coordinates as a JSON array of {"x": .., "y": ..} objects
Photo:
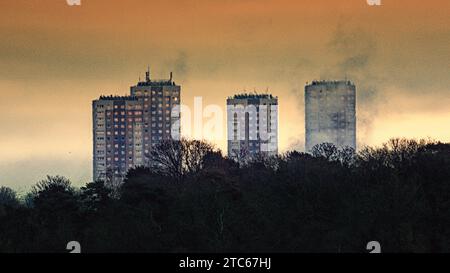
[{"x": 192, "y": 199}]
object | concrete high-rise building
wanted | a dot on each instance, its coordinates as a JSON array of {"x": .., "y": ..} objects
[
  {"x": 330, "y": 114},
  {"x": 125, "y": 128},
  {"x": 252, "y": 121}
]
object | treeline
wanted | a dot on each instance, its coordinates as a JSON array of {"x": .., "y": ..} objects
[{"x": 194, "y": 200}]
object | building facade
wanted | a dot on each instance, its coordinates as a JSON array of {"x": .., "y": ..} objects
[
  {"x": 125, "y": 128},
  {"x": 252, "y": 125},
  {"x": 330, "y": 114}
]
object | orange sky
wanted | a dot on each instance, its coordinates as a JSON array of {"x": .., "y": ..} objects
[{"x": 55, "y": 59}]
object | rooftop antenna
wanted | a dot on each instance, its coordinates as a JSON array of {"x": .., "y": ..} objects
[
  {"x": 171, "y": 76},
  {"x": 147, "y": 74}
]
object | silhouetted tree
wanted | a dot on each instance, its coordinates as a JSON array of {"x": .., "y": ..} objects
[
  {"x": 95, "y": 196},
  {"x": 8, "y": 198},
  {"x": 178, "y": 159},
  {"x": 326, "y": 150},
  {"x": 56, "y": 209}
]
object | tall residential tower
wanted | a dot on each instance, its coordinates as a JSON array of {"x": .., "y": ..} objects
[
  {"x": 252, "y": 121},
  {"x": 330, "y": 113},
  {"x": 126, "y": 128}
]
